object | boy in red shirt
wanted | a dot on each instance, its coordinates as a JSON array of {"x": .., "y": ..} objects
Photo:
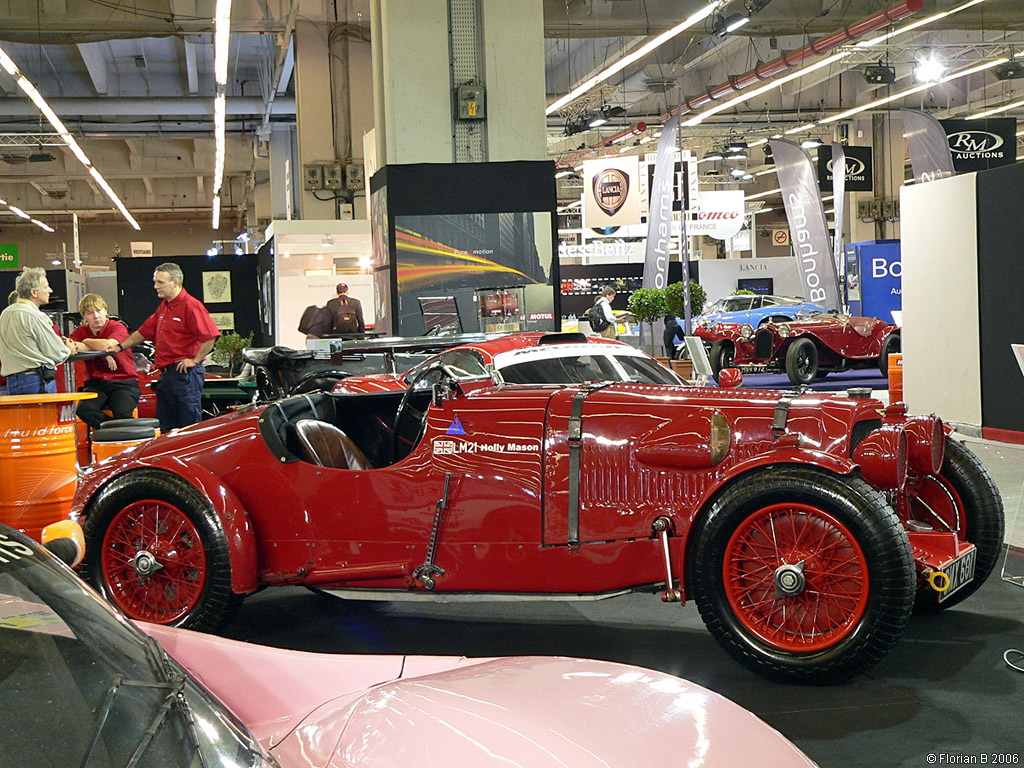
[{"x": 113, "y": 378}]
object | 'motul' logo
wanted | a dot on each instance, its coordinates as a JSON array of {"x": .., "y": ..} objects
[
  {"x": 855, "y": 168},
  {"x": 611, "y": 186},
  {"x": 975, "y": 143}
]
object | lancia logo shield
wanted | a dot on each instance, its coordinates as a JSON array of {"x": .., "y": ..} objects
[{"x": 611, "y": 188}]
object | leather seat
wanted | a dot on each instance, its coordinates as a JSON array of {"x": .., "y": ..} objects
[
  {"x": 863, "y": 326},
  {"x": 328, "y": 446}
]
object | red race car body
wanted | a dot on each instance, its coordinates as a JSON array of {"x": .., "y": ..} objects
[
  {"x": 804, "y": 349},
  {"x": 766, "y": 508}
]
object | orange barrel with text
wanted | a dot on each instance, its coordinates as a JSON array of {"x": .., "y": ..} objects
[
  {"x": 895, "y": 377},
  {"x": 38, "y": 471}
]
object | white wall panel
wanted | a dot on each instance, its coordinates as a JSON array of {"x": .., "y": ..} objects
[{"x": 941, "y": 361}]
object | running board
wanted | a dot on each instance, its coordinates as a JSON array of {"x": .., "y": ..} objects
[{"x": 401, "y": 595}]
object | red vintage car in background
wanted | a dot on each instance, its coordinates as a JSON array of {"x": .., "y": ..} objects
[
  {"x": 806, "y": 348},
  {"x": 804, "y": 526}
]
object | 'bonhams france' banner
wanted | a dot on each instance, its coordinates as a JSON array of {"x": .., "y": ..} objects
[
  {"x": 926, "y": 142},
  {"x": 807, "y": 225},
  {"x": 659, "y": 217},
  {"x": 611, "y": 192}
]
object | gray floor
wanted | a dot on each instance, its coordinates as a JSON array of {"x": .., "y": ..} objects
[{"x": 944, "y": 690}]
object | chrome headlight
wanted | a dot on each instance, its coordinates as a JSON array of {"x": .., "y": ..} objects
[
  {"x": 783, "y": 330},
  {"x": 747, "y": 330}
]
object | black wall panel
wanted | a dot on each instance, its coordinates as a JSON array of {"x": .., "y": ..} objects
[
  {"x": 1000, "y": 304},
  {"x": 138, "y": 300}
]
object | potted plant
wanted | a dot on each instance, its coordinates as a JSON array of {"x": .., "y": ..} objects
[
  {"x": 674, "y": 299},
  {"x": 648, "y": 305},
  {"x": 227, "y": 351}
]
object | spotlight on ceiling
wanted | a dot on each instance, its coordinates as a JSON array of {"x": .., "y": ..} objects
[
  {"x": 1011, "y": 71},
  {"x": 753, "y": 6},
  {"x": 736, "y": 145},
  {"x": 712, "y": 156},
  {"x": 737, "y": 173},
  {"x": 811, "y": 142},
  {"x": 929, "y": 69},
  {"x": 326, "y": 242},
  {"x": 723, "y": 25},
  {"x": 239, "y": 250},
  {"x": 211, "y": 251},
  {"x": 742, "y": 155},
  {"x": 878, "y": 74},
  {"x": 597, "y": 121}
]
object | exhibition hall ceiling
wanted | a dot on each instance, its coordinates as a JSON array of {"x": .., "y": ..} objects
[{"x": 133, "y": 80}]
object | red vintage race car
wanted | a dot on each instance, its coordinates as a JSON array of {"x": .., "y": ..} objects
[
  {"x": 804, "y": 526},
  {"x": 806, "y": 348}
]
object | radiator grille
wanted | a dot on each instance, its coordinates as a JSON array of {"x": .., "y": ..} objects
[
  {"x": 763, "y": 344},
  {"x": 861, "y": 430}
]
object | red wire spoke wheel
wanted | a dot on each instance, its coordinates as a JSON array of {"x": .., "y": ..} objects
[
  {"x": 155, "y": 547},
  {"x": 153, "y": 561},
  {"x": 801, "y": 574},
  {"x": 796, "y": 577}
]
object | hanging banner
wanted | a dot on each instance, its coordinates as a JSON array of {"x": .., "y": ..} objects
[
  {"x": 859, "y": 169},
  {"x": 977, "y": 145},
  {"x": 659, "y": 220},
  {"x": 807, "y": 225},
  {"x": 719, "y": 215},
  {"x": 611, "y": 192},
  {"x": 927, "y": 145},
  {"x": 839, "y": 165}
]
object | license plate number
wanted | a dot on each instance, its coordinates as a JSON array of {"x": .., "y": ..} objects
[{"x": 960, "y": 572}]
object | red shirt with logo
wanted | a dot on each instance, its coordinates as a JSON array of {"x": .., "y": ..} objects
[
  {"x": 178, "y": 328},
  {"x": 97, "y": 367}
]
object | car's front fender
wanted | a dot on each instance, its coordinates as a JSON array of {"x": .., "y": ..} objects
[{"x": 238, "y": 530}]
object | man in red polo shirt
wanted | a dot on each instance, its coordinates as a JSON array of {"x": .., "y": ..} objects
[
  {"x": 113, "y": 378},
  {"x": 183, "y": 334}
]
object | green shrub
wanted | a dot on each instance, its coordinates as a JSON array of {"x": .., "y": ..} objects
[
  {"x": 227, "y": 352},
  {"x": 674, "y": 299}
]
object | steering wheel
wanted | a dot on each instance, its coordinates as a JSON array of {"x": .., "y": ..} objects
[{"x": 410, "y": 421}]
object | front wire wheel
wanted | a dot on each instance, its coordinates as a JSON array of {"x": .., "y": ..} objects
[
  {"x": 963, "y": 498},
  {"x": 156, "y": 549},
  {"x": 803, "y": 576}
]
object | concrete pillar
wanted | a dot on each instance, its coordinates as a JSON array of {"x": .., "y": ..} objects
[
  {"x": 413, "y": 82},
  {"x": 314, "y": 113}
]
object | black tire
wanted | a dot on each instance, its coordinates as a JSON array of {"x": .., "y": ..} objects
[
  {"x": 890, "y": 346},
  {"x": 802, "y": 361},
  {"x": 122, "y": 503},
  {"x": 860, "y": 581},
  {"x": 723, "y": 352},
  {"x": 983, "y": 521}
]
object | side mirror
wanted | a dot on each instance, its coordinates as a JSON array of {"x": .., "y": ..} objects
[
  {"x": 65, "y": 541},
  {"x": 730, "y": 378}
]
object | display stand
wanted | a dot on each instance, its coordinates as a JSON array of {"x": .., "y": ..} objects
[{"x": 38, "y": 473}]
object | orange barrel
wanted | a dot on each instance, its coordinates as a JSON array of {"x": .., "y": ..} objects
[
  {"x": 107, "y": 442},
  {"x": 895, "y": 377},
  {"x": 38, "y": 473}
]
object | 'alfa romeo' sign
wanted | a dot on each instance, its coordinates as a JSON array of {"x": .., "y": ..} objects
[
  {"x": 858, "y": 169},
  {"x": 980, "y": 144}
]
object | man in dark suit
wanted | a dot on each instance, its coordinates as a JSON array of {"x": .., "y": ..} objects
[{"x": 346, "y": 313}]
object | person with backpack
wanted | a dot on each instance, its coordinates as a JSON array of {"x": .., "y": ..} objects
[
  {"x": 600, "y": 315},
  {"x": 346, "y": 313}
]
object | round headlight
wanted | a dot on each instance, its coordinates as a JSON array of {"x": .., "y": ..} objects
[
  {"x": 746, "y": 330},
  {"x": 783, "y": 330}
]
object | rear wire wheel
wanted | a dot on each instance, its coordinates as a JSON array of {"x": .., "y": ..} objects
[
  {"x": 964, "y": 498},
  {"x": 803, "y": 576},
  {"x": 156, "y": 549}
]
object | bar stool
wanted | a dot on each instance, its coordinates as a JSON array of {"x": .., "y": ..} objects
[{"x": 109, "y": 441}]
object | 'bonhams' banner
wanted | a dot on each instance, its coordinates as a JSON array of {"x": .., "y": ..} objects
[
  {"x": 611, "y": 192},
  {"x": 927, "y": 145},
  {"x": 808, "y": 228},
  {"x": 719, "y": 215},
  {"x": 839, "y": 164},
  {"x": 659, "y": 217}
]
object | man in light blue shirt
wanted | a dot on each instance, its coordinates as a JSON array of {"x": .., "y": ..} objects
[{"x": 29, "y": 349}]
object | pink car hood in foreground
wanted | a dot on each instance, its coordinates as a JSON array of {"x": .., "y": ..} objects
[{"x": 327, "y": 711}]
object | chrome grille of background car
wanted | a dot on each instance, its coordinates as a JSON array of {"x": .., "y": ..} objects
[
  {"x": 861, "y": 430},
  {"x": 764, "y": 342}
]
